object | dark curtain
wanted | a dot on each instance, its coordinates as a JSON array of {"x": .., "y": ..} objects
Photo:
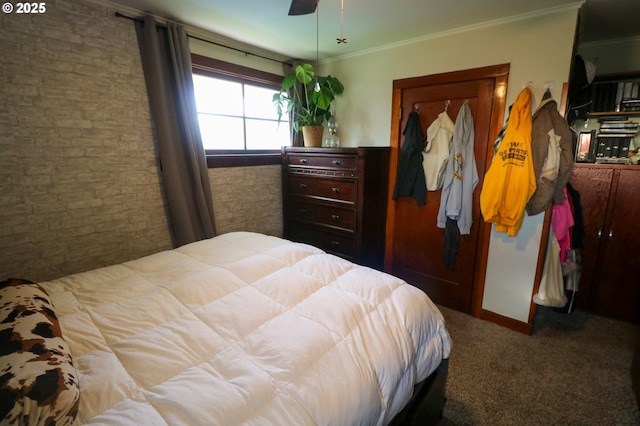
[{"x": 166, "y": 62}]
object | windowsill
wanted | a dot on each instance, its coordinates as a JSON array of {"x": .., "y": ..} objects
[{"x": 224, "y": 158}]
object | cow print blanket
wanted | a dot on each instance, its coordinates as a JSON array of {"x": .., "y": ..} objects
[{"x": 38, "y": 383}]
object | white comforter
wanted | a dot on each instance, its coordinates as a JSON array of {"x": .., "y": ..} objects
[{"x": 246, "y": 329}]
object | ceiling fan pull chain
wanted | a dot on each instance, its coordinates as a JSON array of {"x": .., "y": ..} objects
[{"x": 342, "y": 38}]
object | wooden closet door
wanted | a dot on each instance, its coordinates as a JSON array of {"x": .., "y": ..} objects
[
  {"x": 414, "y": 249},
  {"x": 618, "y": 289},
  {"x": 594, "y": 185}
]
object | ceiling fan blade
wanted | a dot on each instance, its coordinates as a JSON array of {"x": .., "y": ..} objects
[{"x": 302, "y": 7}]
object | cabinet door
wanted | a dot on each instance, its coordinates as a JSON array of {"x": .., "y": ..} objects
[
  {"x": 594, "y": 185},
  {"x": 618, "y": 291}
]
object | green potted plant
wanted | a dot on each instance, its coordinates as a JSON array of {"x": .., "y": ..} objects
[{"x": 309, "y": 102}]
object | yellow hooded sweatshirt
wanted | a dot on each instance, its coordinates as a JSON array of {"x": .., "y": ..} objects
[{"x": 510, "y": 180}]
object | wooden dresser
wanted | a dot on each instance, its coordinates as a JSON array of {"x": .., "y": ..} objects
[{"x": 336, "y": 199}]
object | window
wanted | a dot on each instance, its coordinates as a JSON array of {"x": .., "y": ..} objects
[{"x": 236, "y": 115}]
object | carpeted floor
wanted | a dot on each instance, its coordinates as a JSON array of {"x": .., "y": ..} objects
[{"x": 573, "y": 370}]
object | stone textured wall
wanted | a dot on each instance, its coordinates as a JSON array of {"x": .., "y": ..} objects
[
  {"x": 79, "y": 180},
  {"x": 247, "y": 199}
]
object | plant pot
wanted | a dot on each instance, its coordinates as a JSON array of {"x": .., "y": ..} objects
[{"x": 312, "y": 135}]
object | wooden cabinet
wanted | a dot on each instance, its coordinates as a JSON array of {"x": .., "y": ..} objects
[
  {"x": 610, "y": 279},
  {"x": 336, "y": 199}
]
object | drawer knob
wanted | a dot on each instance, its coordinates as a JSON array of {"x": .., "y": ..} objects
[
  {"x": 303, "y": 160},
  {"x": 337, "y": 162},
  {"x": 335, "y": 190},
  {"x": 303, "y": 211},
  {"x": 303, "y": 185},
  {"x": 335, "y": 243},
  {"x": 335, "y": 217}
]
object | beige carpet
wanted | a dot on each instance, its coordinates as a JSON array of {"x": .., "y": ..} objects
[{"x": 573, "y": 370}]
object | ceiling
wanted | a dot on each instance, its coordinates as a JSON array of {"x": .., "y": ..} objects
[{"x": 371, "y": 24}]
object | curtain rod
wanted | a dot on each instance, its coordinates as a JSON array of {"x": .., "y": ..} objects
[{"x": 120, "y": 15}]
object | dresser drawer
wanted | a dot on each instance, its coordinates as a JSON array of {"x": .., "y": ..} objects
[
  {"x": 324, "y": 161},
  {"x": 325, "y": 214},
  {"x": 336, "y": 189},
  {"x": 337, "y": 243}
]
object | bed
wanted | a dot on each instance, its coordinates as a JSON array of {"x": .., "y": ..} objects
[{"x": 242, "y": 328}]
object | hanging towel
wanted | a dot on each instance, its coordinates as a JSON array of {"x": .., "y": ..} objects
[
  {"x": 461, "y": 175},
  {"x": 410, "y": 180},
  {"x": 436, "y": 153},
  {"x": 510, "y": 180}
]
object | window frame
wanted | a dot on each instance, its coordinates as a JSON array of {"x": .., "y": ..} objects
[{"x": 204, "y": 65}]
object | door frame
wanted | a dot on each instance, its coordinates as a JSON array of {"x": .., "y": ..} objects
[{"x": 500, "y": 74}]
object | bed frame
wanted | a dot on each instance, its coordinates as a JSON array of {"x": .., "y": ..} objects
[{"x": 427, "y": 403}]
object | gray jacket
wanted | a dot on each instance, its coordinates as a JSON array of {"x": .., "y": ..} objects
[{"x": 460, "y": 175}]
